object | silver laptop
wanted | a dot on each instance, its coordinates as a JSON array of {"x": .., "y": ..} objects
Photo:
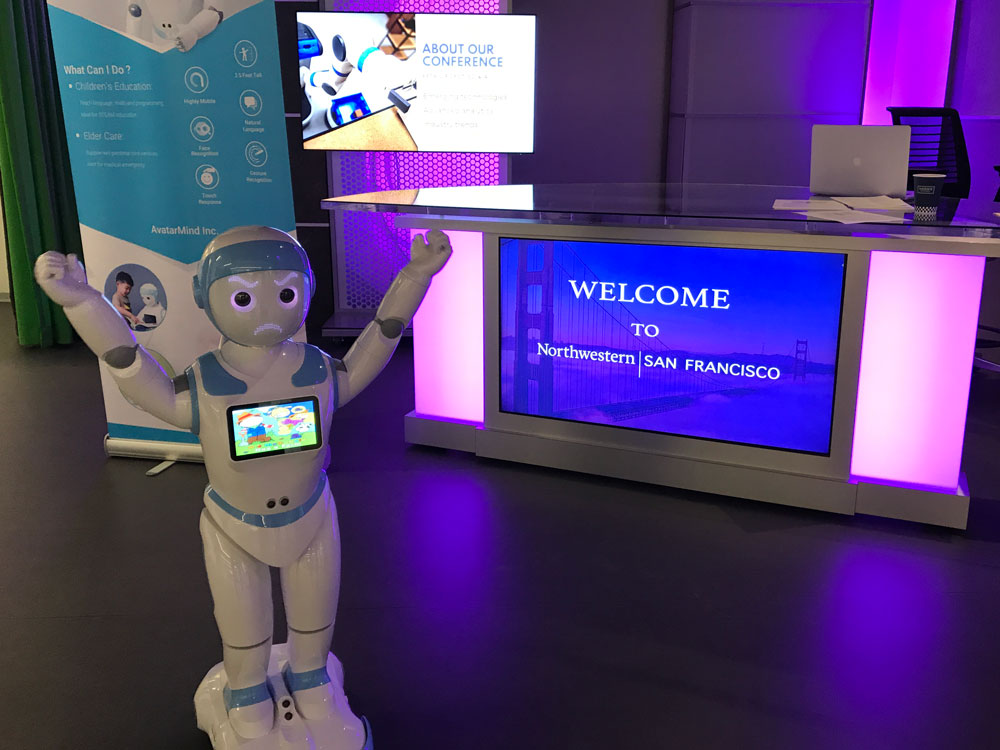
[{"x": 855, "y": 160}]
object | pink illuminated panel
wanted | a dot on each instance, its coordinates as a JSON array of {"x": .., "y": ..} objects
[
  {"x": 921, "y": 316},
  {"x": 909, "y": 52},
  {"x": 448, "y": 336}
]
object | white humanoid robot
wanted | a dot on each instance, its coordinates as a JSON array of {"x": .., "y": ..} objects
[
  {"x": 152, "y": 312},
  {"x": 182, "y": 22},
  {"x": 268, "y": 502}
]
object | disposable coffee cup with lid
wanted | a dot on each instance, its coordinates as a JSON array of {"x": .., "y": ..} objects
[{"x": 927, "y": 188}]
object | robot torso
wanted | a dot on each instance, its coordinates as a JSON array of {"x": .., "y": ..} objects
[{"x": 265, "y": 444}]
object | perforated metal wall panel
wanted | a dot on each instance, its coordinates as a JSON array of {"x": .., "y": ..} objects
[{"x": 371, "y": 250}]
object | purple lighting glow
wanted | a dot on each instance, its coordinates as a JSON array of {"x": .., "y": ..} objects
[
  {"x": 919, "y": 335},
  {"x": 448, "y": 336},
  {"x": 909, "y": 51},
  {"x": 883, "y": 641}
]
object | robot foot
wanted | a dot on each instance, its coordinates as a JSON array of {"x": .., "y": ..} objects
[
  {"x": 315, "y": 702},
  {"x": 319, "y": 697},
  {"x": 251, "y": 722},
  {"x": 314, "y": 716}
]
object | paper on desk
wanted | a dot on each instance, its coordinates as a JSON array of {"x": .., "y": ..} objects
[
  {"x": 782, "y": 204},
  {"x": 977, "y": 240},
  {"x": 847, "y": 216},
  {"x": 875, "y": 203}
]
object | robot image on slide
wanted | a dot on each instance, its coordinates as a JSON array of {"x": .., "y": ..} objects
[
  {"x": 182, "y": 22},
  {"x": 349, "y": 76},
  {"x": 261, "y": 405}
]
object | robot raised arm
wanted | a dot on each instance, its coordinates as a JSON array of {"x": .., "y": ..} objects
[
  {"x": 203, "y": 24},
  {"x": 373, "y": 348},
  {"x": 103, "y": 329}
]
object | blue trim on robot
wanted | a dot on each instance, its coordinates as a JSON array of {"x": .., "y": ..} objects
[
  {"x": 313, "y": 369},
  {"x": 270, "y": 520},
  {"x": 247, "y": 257},
  {"x": 297, "y": 681},
  {"x": 369, "y": 740},
  {"x": 342, "y": 75},
  {"x": 364, "y": 56},
  {"x": 193, "y": 390},
  {"x": 309, "y": 48},
  {"x": 335, "y": 404},
  {"x": 216, "y": 379},
  {"x": 245, "y": 696}
]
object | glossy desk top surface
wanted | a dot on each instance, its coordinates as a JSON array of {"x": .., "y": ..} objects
[{"x": 669, "y": 204}]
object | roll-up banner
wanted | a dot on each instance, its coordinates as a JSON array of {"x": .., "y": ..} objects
[{"x": 175, "y": 123}]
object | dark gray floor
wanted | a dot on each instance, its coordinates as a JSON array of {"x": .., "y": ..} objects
[{"x": 490, "y": 605}]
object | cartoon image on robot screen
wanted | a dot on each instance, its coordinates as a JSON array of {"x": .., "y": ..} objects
[
  {"x": 281, "y": 427},
  {"x": 161, "y": 24}
]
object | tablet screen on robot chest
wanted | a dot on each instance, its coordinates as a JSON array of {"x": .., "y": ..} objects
[{"x": 272, "y": 427}]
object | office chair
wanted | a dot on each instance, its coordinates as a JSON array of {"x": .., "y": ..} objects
[{"x": 937, "y": 144}]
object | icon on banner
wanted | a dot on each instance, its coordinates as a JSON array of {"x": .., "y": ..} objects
[
  {"x": 245, "y": 53},
  {"x": 196, "y": 79},
  {"x": 251, "y": 103},
  {"x": 256, "y": 154},
  {"x": 202, "y": 129},
  {"x": 207, "y": 177}
]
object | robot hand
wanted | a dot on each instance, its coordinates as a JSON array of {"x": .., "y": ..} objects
[
  {"x": 63, "y": 279},
  {"x": 427, "y": 258},
  {"x": 203, "y": 24},
  {"x": 186, "y": 37}
]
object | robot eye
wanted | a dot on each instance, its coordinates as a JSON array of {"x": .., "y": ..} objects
[
  {"x": 287, "y": 295},
  {"x": 243, "y": 300}
]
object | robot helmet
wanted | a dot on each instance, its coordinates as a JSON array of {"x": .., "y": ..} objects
[{"x": 246, "y": 249}]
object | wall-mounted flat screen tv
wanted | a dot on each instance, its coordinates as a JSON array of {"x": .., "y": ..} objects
[
  {"x": 417, "y": 82},
  {"x": 728, "y": 344}
]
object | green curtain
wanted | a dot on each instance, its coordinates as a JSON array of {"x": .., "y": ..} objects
[{"x": 39, "y": 204}]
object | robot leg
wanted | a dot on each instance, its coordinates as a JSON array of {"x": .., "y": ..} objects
[
  {"x": 311, "y": 588},
  {"x": 244, "y": 612}
]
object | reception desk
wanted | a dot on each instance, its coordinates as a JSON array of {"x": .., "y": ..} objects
[{"x": 692, "y": 336}]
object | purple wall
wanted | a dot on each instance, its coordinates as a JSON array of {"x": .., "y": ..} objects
[
  {"x": 747, "y": 79},
  {"x": 600, "y": 96},
  {"x": 750, "y": 78},
  {"x": 975, "y": 93}
]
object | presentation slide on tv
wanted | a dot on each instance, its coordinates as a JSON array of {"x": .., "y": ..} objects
[
  {"x": 417, "y": 82},
  {"x": 727, "y": 344}
]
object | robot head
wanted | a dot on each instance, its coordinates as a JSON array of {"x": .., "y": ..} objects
[
  {"x": 149, "y": 293},
  {"x": 254, "y": 283},
  {"x": 169, "y": 15}
]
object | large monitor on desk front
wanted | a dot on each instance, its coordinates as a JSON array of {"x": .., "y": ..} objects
[{"x": 736, "y": 345}]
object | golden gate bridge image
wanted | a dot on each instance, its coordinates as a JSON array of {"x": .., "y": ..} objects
[{"x": 604, "y": 391}]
